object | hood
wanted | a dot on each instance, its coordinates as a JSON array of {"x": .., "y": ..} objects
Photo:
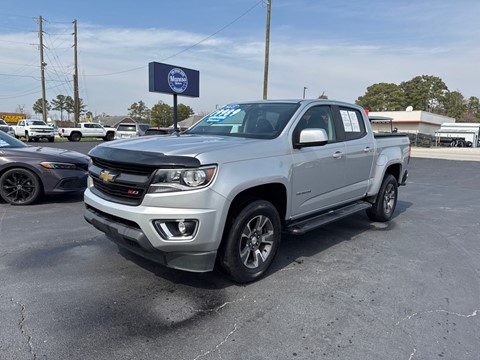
[
  {"x": 207, "y": 149},
  {"x": 51, "y": 154}
]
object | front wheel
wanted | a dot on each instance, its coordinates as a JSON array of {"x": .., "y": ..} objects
[
  {"x": 20, "y": 187},
  {"x": 251, "y": 241},
  {"x": 384, "y": 206}
]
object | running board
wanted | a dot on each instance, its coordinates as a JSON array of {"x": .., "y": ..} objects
[{"x": 300, "y": 227}]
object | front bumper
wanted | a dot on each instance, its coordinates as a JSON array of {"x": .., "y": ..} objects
[
  {"x": 39, "y": 134},
  {"x": 63, "y": 181},
  {"x": 132, "y": 227}
]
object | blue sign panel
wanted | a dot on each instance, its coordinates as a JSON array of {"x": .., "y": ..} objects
[{"x": 170, "y": 79}]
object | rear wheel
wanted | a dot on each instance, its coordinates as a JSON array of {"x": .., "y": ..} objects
[
  {"x": 20, "y": 187},
  {"x": 75, "y": 136},
  {"x": 110, "y": 136},
  {"x": 251, "y": 242},
  {"x": 384, "y": 206},
  {"x": 51, "y": 139},
  {"x": 27, "y": 137}
]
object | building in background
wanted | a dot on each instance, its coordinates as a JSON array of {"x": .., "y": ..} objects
[{"x": 413, "y": 122}]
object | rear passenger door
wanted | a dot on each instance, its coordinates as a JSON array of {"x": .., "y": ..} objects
[{"x": 359, "y": 146}]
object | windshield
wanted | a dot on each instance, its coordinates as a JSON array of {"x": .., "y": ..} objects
[
  {"x": 35, "y": 122},
  {"x": 9, "y": 142},
  {"x": 255, "y": 120}
]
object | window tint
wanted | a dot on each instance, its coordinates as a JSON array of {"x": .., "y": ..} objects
[
  {"x": 318, "y": 117},
  {"x": 123, "y": 127},
  {"x": 353, "y": 124},
  {"x": 252, "y": 120}
]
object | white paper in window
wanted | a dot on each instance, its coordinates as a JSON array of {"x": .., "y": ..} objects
[
  {"x": 354, "y": 121},
  {"x": 347, "y": 124}
]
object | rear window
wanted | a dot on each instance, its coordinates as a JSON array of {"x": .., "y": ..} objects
[{"x": 122, "y": 127}]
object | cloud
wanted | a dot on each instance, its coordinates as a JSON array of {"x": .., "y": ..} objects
[{"x": 114, "y": 74}]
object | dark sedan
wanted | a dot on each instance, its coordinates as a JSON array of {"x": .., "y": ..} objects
[{"x": 28, "y": 172}]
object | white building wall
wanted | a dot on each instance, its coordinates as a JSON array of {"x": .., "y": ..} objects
[{"x": 412, "y": 121}]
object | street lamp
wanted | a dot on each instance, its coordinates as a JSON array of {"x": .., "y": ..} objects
[{"x": 304, "y": 88}]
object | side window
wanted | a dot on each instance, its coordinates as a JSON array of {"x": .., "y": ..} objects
[
  {"x": 318, "y": 117},
  {"x": 21, "y": 123},
  {"x": 353, "y": 124},
  {"x": 87, "y": 126}
]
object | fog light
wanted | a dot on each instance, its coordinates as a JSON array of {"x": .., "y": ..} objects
[{"x": 182, "y": 229}]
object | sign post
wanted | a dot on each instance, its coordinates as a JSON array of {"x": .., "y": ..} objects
[{"x": 175, "y": 80}]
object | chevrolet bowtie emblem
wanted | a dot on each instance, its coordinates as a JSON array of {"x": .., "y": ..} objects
[{"x": 106, "y": 176}]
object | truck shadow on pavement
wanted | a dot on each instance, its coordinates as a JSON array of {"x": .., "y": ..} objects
[
  {"x": 293, "y": 250},
  {"x": 68, "y": 198}
]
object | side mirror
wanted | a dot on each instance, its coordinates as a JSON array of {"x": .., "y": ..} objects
[{"x": 312, "y": 137}]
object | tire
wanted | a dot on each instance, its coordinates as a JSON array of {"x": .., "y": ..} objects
[
  {"x": 27, "y": 137},
  {"x": 110, "y": 136},
  {"x": 20, "y": 187},
  {"x": 383, "y": 208},
  {"x": 250, "y": 242},
  {"x": 75, "y": 136},
  {"x": 51, "y": 139}
]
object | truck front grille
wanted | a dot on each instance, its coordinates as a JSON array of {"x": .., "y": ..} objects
[{"x": 128, "y": 185}]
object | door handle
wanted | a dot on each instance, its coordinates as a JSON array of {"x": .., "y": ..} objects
[
  {"x": 338, "y": 155},
  {"x": 367, "y": 149}
]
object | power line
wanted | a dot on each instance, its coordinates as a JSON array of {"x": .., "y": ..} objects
[{"x": 189, "y": 47}]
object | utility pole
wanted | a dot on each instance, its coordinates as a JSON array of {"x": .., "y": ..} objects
[
  {"x": 267, "y": 50},
  {"x": 42, "y": 70},
  {"x": 76, "y": 100}
]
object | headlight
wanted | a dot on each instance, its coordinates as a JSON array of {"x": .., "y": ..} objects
[
  {"x": 57, "y": 165},
  {"x": 167, "y": 180}
]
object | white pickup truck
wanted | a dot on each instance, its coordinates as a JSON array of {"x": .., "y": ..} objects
[
  {"x": 32, "y": 129},
  {"x": 87, "y": 130},
  {"x": 223, "y": 192}
]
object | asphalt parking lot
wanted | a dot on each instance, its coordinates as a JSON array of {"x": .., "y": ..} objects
[{"x": 354, "y": 289}]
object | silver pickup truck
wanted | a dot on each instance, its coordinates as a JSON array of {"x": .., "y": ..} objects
[{"x": 222, "y": 192}]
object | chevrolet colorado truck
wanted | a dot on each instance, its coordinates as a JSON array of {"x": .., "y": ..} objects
[
  {"x": 87, "y": 130},
  {"x": 223, "y": 191},
  {"x": 35, "y": 130}
]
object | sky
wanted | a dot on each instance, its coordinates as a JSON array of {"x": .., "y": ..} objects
[{"x": 337, "y": 48}]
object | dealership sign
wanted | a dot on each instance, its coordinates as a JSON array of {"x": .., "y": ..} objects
[{"x": 169, "y": 79}]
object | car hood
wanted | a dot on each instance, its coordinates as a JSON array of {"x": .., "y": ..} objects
[
  {"x": 205, "y": 148},
  {"x": 49, "y": 154}
]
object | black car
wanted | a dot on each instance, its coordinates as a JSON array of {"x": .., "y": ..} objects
[{"x": 28, "y": 172}]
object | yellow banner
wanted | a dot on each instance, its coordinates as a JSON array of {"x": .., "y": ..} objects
[{"x": 12, "y": 118}]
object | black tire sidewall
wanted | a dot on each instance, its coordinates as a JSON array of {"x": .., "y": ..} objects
[
  {"x": 230, "y": 260},
  {"x": 33, "y": 177},
  {"x": 377, "y": 212}
]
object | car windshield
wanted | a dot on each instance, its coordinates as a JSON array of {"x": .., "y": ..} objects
[
  {"x": 35, "y": 122},
  {"x": 252, "y": 120},
  {"x": 9, "y": 142}
]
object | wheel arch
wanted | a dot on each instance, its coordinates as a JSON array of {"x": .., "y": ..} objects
[
  {"x": 275, "y": 193},
  {"x": 395, "y": 170}
]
